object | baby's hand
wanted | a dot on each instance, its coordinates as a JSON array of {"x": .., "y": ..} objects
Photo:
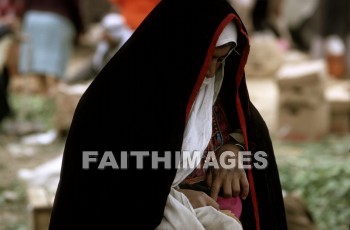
[{"x": 199, "y": 199}]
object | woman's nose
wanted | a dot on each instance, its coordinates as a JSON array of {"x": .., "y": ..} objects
[{"x": 212, "y": 69}]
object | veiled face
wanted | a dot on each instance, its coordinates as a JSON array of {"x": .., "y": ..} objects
[{"x": 220, "y": 53}]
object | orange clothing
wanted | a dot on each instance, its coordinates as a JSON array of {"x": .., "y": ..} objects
[{"x": 135, "y": 11}]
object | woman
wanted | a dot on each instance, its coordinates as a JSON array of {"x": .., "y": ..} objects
[
  {"x": 138, "y": 111},
  {"x": 50, "y": 28}
]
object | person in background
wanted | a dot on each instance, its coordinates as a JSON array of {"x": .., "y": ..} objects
[
  {"x": 114, "y": 34},
  {"x": 331, "y": 36},
  {"x": 176, "y": 86},
  {"x": 134, "y": 11},
  {"x": 51, "y": 28},
  {"x": 10, "y": 13},
  {"x": 269, "y": 16}
]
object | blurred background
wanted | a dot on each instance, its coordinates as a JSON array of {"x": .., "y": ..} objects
[{"x": 298, "y": 76}]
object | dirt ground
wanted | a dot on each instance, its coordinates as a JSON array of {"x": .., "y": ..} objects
[
  {"x": 33, "y": 115},
  {"x": 14, "y": 212}
]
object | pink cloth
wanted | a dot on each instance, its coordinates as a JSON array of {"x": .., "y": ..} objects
[{"x": 234, "y": 204}]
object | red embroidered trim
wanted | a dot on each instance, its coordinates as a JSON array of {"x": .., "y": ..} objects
[{"x": 243, "y": 124}]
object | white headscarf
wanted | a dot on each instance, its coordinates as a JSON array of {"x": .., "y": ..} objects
[
  {"x": 198, "y": 129},
  {"x": 229, "y": 34}
]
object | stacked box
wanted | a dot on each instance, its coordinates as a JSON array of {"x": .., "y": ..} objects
[
  {"x": 338, "y": 97},
  {"x": 40, "y": 201},
  {"x": 303, "y": 112}
]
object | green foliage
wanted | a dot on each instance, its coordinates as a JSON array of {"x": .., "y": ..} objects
[
  {"x": 320, "y": 173},
  {"x": 34, "y": 108}
]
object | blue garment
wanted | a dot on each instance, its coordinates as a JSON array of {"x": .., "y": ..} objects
[{"x": 48, "y": 45}]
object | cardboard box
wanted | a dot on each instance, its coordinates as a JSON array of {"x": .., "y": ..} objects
[
  {"x": 338, "y": 97},
  {"x": 67, "y": 99},
  {"x": 297, "y": 123},
  {"x": 302, "y": 84},
  {"x": 308, "y": 73},
  {"x": 308, "y": 96},
  {"x": 40, "y": 207},
  {"x": 339, "y": 123}
]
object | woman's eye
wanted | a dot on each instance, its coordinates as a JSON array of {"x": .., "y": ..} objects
[{"x": 221, "y": 60}]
